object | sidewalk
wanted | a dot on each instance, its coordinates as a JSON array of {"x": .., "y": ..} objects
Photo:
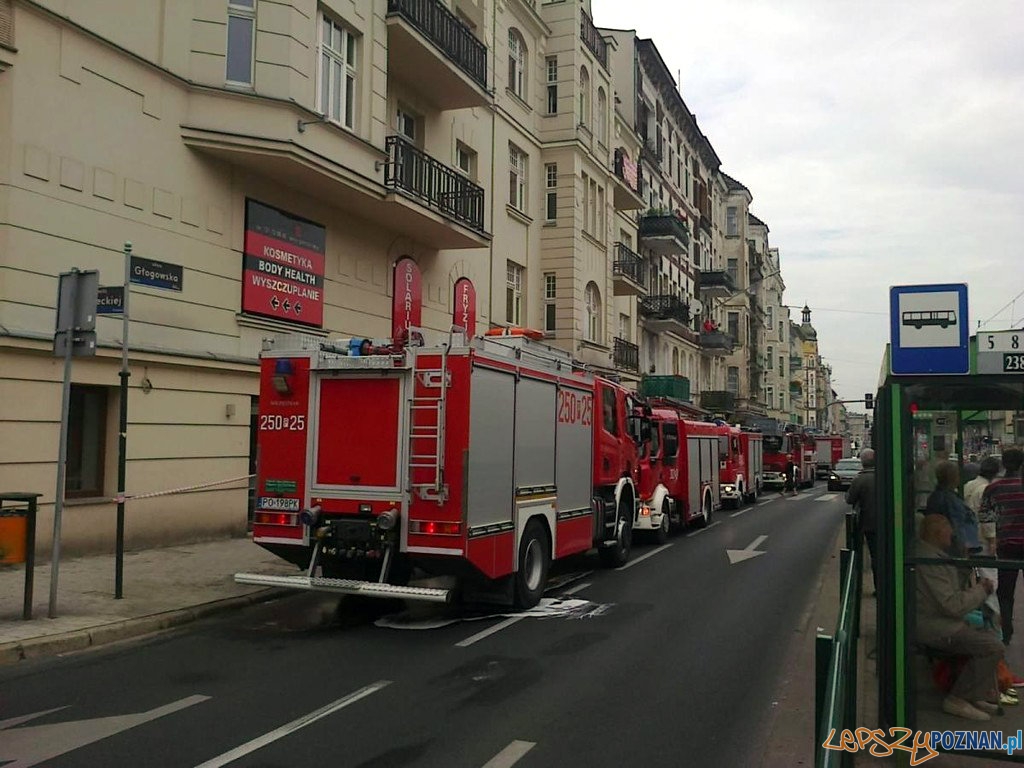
[{"x": 163, "y": 588}]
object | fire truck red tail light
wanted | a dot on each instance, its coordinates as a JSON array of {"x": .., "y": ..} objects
[
  {"x": 275, "y": 518},
  {"x": 433, "y": 528}
]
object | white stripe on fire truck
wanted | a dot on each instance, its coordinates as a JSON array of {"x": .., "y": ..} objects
[
  {"x": 567, "y": 514},
  {"x": 492, "y": 528},
  {"x": 261, "y": 741}
]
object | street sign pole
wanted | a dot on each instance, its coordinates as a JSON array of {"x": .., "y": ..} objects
[
  {"x": 122, "y": 435},
  {"x": 62, "y": 450}
]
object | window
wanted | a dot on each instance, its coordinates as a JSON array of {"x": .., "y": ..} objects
[
  {"x": 551, "y": 65},
  {"x": 87, "y": 422},
  {"x": 551, "y": 195},
  {"x": 406, "y": 124},
  {"x": 337, "y": 73},
  {"x": 782, "y": 401},
  {"x": 770, "y": 397},
  {"x": 592, "y": 302},
  {"x": 550, "y": 291},
  {"x": 732, "y": 267},
  {"x": 733, "y": 327},
  {"x": 602, "y": 116},
  {"x": 732, "y": 379},
  {"x": 241, "y": 37},
  {"x": 517, "y": 64},
  {"x": 771, "y": 318},
  {"x": 514, "y": 293},
  {"x": 780, "y": 331},
  {"x": 465, "y": 160},
  {"x": 782, "y": 365},
  {"x": 611, "y": 424},
  {"x": 599, "y": 223},
  {"x": 516, "y": 177},
  {"x": 732, "y": 224},
  {"x": 584, "y": 96},
  {"x": 771, "y": 358},
  {"x": 624, "y": 325}
]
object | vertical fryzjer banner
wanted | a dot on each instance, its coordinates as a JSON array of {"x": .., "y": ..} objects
[{"x": 464, "y": 306}]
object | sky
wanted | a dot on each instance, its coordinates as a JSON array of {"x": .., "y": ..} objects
[{"x": 883, "y": 144}]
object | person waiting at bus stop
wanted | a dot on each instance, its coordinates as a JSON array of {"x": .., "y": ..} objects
[
  {"x": 942, "y": 602},
  {"x": 1003, "y": 498},
  {"x": 861, "y": 496},
  {"x": 944, "y": 501}
]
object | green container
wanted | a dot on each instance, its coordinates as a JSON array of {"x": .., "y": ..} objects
[{"x": 677, "y": 387}]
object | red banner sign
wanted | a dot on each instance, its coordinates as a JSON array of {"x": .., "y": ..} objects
[
  {"x": 283, "y": 266},
  {"x": 407, "y": 303},
  {"x": 464, "y": 306}
]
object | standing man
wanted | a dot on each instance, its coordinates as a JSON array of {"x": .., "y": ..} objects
[
  {"x": 861, "y": 496},
  {"x": 1004, "y": 497}
]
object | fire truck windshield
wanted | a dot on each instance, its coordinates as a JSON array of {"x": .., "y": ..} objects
[{"x": 772, "y": 444}]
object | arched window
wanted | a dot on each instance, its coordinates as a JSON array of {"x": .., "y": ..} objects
[
  {"x": 602, "y": 116},
  {"x": 516, "y": 63},
  {"x": 584, "y": 96},
  {"x": 675, "y": 361},
  {"x": 592, "y": 300}
]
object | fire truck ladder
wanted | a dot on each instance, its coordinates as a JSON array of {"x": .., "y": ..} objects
[{"x": 420, "y": 408}]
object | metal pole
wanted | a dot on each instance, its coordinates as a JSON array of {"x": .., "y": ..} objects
[
  {"x": 62, "y": 450},
  {"x": 122, "y": 435}
]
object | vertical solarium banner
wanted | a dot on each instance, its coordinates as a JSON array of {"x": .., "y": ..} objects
[{"x": 283, "y": 266}]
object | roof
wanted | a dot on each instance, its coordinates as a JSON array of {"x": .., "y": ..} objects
[
  {"x": 732, "y": 184},
  {"x": 752, "y": 219}
]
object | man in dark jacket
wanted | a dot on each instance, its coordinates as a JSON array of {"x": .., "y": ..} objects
[{"x": 861, "y": 496}]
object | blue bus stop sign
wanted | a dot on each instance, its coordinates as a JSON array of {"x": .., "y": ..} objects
[{"x": 928, "y": 329}]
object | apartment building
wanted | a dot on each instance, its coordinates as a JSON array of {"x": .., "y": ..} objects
[
  {"x": 805, "y": 378},
  {"x": 776, "y": 356}
]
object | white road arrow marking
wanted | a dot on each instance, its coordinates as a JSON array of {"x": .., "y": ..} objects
[
  {"x": 35, "y": 744},
  {"x": 739, "y": 555}
]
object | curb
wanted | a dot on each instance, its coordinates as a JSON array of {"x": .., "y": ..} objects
[{"x": 124, "y": 629}]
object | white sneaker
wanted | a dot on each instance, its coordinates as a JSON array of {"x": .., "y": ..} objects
[
  {"x": 989, "y": 706},
  {"x": 956, "y": 706}
]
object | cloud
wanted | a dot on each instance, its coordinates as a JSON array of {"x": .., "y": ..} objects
[{"x": 881, "y": 143}]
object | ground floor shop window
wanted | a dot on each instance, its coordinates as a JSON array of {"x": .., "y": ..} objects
[{"x": 87, "y": 421}]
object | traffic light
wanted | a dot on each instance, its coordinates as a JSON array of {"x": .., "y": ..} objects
[{"x": 869, "y": 401}]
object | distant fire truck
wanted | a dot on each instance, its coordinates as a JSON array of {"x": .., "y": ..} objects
[
  {"x": 827, "y": 451},
  {"x": 782, "y": 448},
  {"x": 742, "y": 466},
  {"x": 376, "y": 458},
  {"x": 679, "y": 477}
]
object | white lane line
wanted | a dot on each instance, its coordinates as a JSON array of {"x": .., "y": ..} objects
[
  {"x": 576, "y": 588},
  {"x": 510, "y": 755},
  {"x": 742, "y": 511},
  {"x": 489, "y": 631},
  {"x": 702, "y": 530},
  {"x": 643, "y": 557},
  {"x": 261, "y": 741},
  {"x": 827, "y": 497}
]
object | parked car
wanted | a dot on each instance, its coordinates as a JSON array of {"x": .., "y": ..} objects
[{"x": 841, "y": 477}]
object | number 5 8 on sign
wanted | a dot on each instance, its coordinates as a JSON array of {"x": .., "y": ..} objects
[{"x": 1001, "y": 352}]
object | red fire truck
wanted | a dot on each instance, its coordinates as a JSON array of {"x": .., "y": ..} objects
[
  {"x": 741, "y": 463},
  {"x": 784, "y": 447},
  {"x": 377, "y": 458},
  {"x": 827, "y": 451},
  {"x": 679, "y": 480}
]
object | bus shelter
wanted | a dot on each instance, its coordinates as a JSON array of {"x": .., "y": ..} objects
[{"x": 921, "y": 422}]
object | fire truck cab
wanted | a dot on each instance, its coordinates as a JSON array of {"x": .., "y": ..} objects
[
  {"x": 782, "y": 448},
  {"x": 378, "y": 461},
  {"x": 741, "y": 464}
]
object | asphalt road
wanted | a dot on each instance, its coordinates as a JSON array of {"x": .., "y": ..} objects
[{"x": 677, "y": 665}]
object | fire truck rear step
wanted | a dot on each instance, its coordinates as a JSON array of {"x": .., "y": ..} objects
[{"x": 346, "y": 587}]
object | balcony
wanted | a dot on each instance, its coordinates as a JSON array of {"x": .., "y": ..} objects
[
  {"x": 717, "y": 284},
  {"x": 796, "y": 363},
  {"x": 718, "y": 401},
  {"x": 418, "y": 176},
  {"x": 626, "y": 355},
  {"x": 629, "y": 272},
  {"x": 667, "y": 313},
  {"x": 593, "y": 40},
  {"x": 716, "y": 343},
  {"x": 664, "y": 233},
  {"x": 437, "y": 55},
  {"x": 628, "y": 182}
]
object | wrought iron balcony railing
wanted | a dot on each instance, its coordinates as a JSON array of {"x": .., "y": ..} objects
[
  {"x": 718, "y": 280},
  {"x": 629, "y": 264},
  {"x": 444, "y": 29},
  {"x": 597, "y": 44},
  {"x": 665, "y": 225},
  {"x": 666, "y": 307},
  {"x": 413, "y": 172},
  {"x": 626, "y": 355}
]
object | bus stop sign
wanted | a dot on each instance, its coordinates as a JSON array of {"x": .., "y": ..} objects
[{"x": 928, "y": 329}]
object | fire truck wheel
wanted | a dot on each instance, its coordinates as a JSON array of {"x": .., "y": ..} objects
[
  {"x": 534, "y": 561},
  {"x": 705, "y": 512},
  {"x": 661, "y": 535},
  {"x": 617, "y": 554}
]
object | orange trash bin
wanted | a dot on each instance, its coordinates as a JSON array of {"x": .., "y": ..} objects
[{"x": 13, "y": 531}]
